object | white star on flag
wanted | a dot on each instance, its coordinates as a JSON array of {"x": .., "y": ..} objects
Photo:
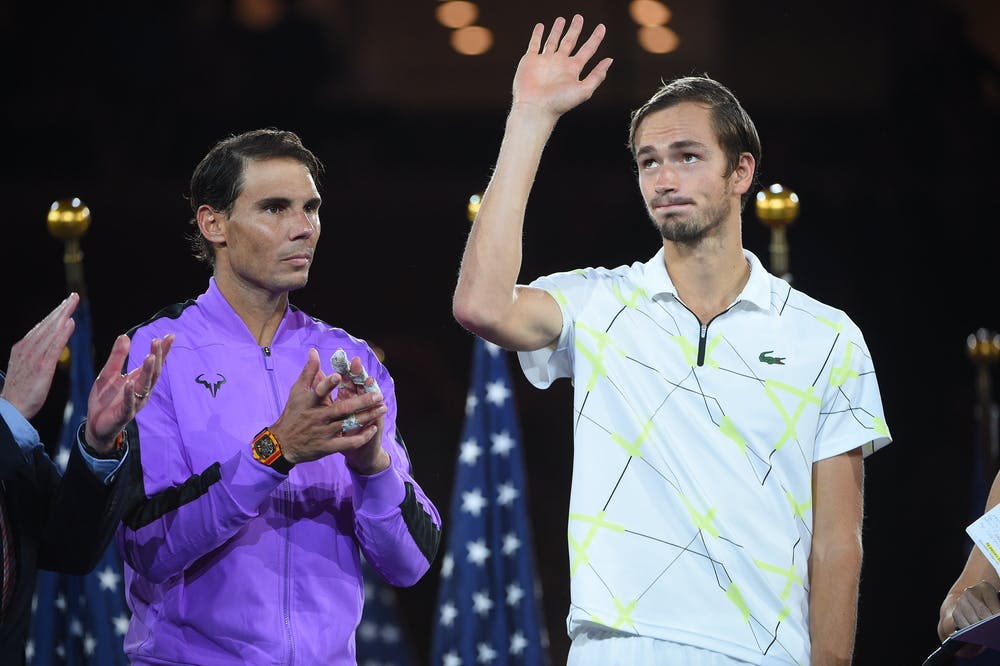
[
  {"x": 76, "y": 627},
  {"x": 502, "y": 443},
  {"x": 448, "y": 614},
  {"x": 390, "y": 633},
  {"x": 473, "y": 502},
  {"x": 510, "y": 543},
  {"x": 497, "y": 393},
  {"x": 367, "y": 631},
  {"x": 517, "y": 643},
  {"x": 61, "y": 602},
  {"x": 109, "y": 579},
  {"x": 447, "y": 566},
  {"x": 514, "y": 594},
  {"x": 62, "y": 458},
  {"x": 470, "y": 452},
  {"x": 485, "y": 654},
  {"x": 29, "y": 650},
  {"x": 485, "y": 591},
  {"x": 506, "y": 493},
  {"x": 478, "y": 552},
  {"x": 481, "y": 603},
  {"x": 121, "y": 624},
  {"x": 89, "y": 645}
]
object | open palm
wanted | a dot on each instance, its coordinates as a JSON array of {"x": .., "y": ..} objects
[{"x": 548, "y": 75}]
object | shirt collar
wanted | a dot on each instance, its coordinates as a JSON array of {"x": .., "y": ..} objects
[{"x": 756, "y": 291}]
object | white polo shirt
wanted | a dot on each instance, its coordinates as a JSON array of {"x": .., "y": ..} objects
[{"x": 691, "y": 510}]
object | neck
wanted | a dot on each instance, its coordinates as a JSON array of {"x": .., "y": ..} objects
[
  {"x": 708, "y": 276},
  {"x": 260, "y": 310}
]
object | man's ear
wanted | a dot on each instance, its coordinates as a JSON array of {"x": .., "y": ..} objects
[
  {"x": 743, "y": 174},
  {"x": 212, "y": 225}
]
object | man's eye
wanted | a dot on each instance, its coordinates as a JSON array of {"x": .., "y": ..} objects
[
  {"x": 649, "y": 164},
  {"x": 689, "y": 158},
  {"x": 273, "y": 209}
]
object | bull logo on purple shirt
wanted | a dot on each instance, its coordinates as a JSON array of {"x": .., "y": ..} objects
[{"x": 213, "y": 387}]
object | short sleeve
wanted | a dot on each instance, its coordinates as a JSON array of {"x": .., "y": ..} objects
[
  {"x": 570, "y": 291},
  {"x": 851, "y": 413}
]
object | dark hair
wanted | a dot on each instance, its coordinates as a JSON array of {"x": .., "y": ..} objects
[
  {"x": 217, "y": 181},
  {"x": 733, "y": 127}
]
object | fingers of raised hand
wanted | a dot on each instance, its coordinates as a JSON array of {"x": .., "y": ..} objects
[
  {"x": 568, "y": 42},
  {"x": 555, "y": 35},
  {"x": 589, "y": 48}
]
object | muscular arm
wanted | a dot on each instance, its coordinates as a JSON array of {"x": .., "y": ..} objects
[
  {"x": 487, "y": 299},
  {"x": 835, "y": 559}
]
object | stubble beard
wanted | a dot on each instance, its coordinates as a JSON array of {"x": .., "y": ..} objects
[{"x": 693, "y": 228}]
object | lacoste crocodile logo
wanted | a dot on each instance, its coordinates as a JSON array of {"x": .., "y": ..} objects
[
  {"x": 212, "y": 387},
  {"x": 771, "y": 360}
]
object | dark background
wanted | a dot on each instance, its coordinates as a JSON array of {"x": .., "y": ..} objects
[{"x": 882, "y": 115}]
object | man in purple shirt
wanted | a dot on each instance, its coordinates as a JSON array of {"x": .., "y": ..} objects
[{"x": 265, "y": 474}]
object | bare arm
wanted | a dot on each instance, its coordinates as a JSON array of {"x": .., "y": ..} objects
[
  {"x": 973, "y": 597},
  {"x": 547, "y": 84},
  {"x": 835, "y": 559}
]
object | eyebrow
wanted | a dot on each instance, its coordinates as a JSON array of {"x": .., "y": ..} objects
[
  {"x": 683, "y": 144},
  {"x": 285, "y": 202}
]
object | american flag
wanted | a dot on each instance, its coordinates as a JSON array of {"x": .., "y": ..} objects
[
  {"x": 79, "y": 620},
  {"x": 488, "y": 603},
  {"x": 379, "y": 639}
]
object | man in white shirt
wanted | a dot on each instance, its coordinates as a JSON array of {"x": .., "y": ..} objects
[{"x": 720, "y": 416}]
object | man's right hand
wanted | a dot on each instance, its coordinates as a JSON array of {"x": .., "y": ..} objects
[
  {"x": 548, "y": 75},
  {"x": 976, "y": 602},
  {"x": 33, "y": 359},
  {"x": 310, "y": 427}
]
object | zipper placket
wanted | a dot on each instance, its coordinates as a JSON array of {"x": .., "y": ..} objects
[
  {"x": 703, "y": 331},
  {"x": 286, "y": 496}
]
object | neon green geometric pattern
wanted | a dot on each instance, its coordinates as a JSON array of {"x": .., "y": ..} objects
[
  {"x": 728, "y": 428},
  {"x": 799, "y": 507},
  {"x": 690, "y": 351},
  {"x": 624, "y": 612},
  {"x": 840, "y": 374},
  {"x": 791, "y": 578},
  {"x": 578, "y": 549},
  {"x": 633, "y": 448},
  {"x": 631, "y": 301},
  {"x": 596, "y": 358},
  {"x": 703, "y": 521},
  {"x": 880, "y": 426},
  {"x": 734, "y": 595},
  {"x": 806, "y": 398},
  {"x": 838, "y": 327}
]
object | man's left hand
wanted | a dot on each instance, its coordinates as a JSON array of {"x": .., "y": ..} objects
[
  {"x": 370, "y": 457},
  {"x": 115, "y": 398}
]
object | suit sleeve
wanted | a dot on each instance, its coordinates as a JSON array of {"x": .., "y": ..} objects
[
  {"x": 397, "y": 526},
  {"x": 71, "y": 516},
  {"x": 178, "y": 514}
]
